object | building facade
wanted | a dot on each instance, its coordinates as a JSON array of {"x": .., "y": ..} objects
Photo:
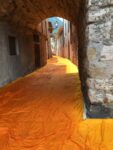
[
  {"x": 22, "y": 51},
  {"x": 67, "y": 44}
]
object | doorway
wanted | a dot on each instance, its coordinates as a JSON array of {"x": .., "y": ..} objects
[{"x": 36, "y": 39}]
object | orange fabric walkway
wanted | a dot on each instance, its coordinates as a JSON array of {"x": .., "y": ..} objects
[{"x": 44, "y": 111}]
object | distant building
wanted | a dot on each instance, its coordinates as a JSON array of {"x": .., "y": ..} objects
[
  {"x": 67, "y": 42},
  {"x": 56, "y": 24},
  {"x": 60, "y": 42}
]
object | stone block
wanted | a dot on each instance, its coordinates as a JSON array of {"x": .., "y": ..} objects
[
  {"x": 99, "y": 111},
  {"x": 109, "y": 98},
  {"x": 99, "y": 97},
  {"x": 98, "y": 69},
  {"x": 92, "y": 95},
  {"x": 90, "y": 83},
  {"x": 107, "y": 53},
  {"x": 91, "y": 53},
  {"x": 104, "y": 85},
  {"x": 96, "y": 97},
  {"x": 100, "y": 2}
]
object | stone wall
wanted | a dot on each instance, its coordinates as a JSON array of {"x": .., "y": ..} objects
[
  {"x": 67, "y": 42},
  {"x": 66, "y": 39},
  {"x": 12, "y": 67},
  {"x": 70, "y": 42},
  {"x": 60, "y": 44},
  {"x": 73, "y": 44},
  {"x": 82, "y": 50},
  {"x": 44, "y": 50},
  {"x": 100, "y": 57}
]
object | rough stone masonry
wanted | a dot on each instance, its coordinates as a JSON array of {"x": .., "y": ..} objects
[{"x": 100, "y": 57}]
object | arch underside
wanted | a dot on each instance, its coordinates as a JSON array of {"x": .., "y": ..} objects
[
  {"x": 31, "y": 12},
  {"x": 93, "y": 69},
  {"x": 22, "y": 14}
]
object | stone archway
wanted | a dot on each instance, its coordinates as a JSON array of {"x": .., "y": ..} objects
[{"x": 91, "y": 18}]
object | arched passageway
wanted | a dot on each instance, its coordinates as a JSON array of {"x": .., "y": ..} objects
[{"x": 24, "y": 15}]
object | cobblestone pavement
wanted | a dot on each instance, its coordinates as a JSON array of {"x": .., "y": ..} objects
[{"x": 44, "y": 111}]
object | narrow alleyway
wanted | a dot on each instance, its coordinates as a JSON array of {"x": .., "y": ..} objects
[{"x": 44, "y": 111}]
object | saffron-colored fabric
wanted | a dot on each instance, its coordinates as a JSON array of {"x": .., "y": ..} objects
[{"x": 44, "y": 111}]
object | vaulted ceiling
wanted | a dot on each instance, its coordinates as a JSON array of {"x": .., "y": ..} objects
[{"x": 30, "y": 12}]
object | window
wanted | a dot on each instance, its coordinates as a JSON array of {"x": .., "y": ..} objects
[{"x": 12, "y": 45}]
